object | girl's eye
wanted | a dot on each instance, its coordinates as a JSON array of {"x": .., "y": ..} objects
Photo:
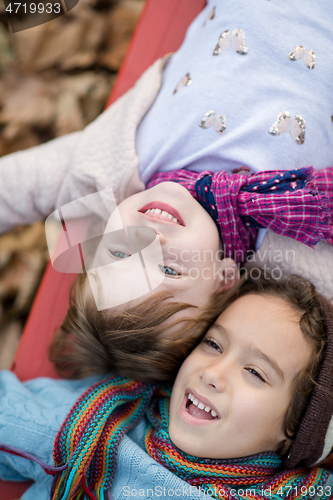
[
  {"x": 119, "y": 255},
  {"x": 256, "y": 374},
  {"x": 168, "y": 271},
  {"x": 213, "y": 344}
]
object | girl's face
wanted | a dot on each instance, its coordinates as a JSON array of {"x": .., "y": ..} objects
[
  {"x": 232, "y": 393},
  {"x": 169, "y": 243}
]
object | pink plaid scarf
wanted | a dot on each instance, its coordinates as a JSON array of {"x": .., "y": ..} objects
[{"x": 294, "y": 203}]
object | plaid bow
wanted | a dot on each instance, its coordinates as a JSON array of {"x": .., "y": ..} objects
[{"x": 294, "y": 203}]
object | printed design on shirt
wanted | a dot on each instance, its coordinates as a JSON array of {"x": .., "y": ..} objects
[
  {"x": 299, "y": 52},
  {"x": 219, "y": 121},
  {"x": 183, "y": 82},
  {"x": 211, "y": 15},
  {"x": 238, "y": 42},
  {"x": 296, "y": 127},
  {"x": 223, "y": 43}
]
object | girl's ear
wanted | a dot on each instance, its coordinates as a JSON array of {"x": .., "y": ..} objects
[
  {"x": 230, "y": 274},
  {"x": 284, "y": 446}
]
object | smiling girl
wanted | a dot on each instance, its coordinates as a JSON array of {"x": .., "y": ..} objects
[
  {"x": 250, "y": 410},
  {"x": 153, "y": 287},
  {"x": 178, "y": 242},
  {"x": 235, "y": 388}
]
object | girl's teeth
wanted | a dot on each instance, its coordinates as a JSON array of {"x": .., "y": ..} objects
[
  {"x": 201, "y": 406},
  {"x": 158, "y": 211}
]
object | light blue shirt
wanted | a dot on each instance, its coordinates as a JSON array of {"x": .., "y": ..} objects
[{"x": 250, "y": 89}]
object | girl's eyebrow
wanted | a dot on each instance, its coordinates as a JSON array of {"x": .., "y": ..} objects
[
  {"x": 254, "y": 350},
  {"x": 257, "y": 352}
]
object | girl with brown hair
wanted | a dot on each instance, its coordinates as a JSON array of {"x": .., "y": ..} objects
[{"x": 250, "y": 413}]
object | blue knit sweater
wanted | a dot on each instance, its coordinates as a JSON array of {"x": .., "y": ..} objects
[{"x": 31, "y": 414}]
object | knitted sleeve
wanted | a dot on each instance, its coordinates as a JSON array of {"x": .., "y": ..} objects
[
  {"x": 30, "y": 416},
  {"x": 30, "y": 180}
]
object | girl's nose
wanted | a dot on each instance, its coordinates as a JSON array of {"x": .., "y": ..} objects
[{"x": 215, "y": 375}]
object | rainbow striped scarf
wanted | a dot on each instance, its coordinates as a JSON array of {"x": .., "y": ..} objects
[
  {"x": 85, "y": 451},
  {"x": 255, "y": 477}
]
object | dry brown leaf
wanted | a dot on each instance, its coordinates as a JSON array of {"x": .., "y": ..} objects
[
  {"x": 23, "y": 138},
  {"x": 7, "y": 54},
  {"x": 5, "y": 148},
  {"x": 20, "y": 278},
  {"x": 22, "y": 260},
  {"x": 81, "y": 60},
  {"x": 120, "y": 26},
  {"x": 80, "y": 32},
  {"x": 27, "y": 44},
  {"x": 94, "y": 28},
  {"x": 81, "y": 85},
  {"x": 93, "y": 101},
  {"x": 9, "y": 341},
  {"x": 11, "y": 278},
  {"x": 81, "y": 99},
  {"x": 27, "y": 102},
  {"x": 113, "y": 57},
  {"x": 34, "y": 264},
  {"x": 24, "y": 238},
  {"x": 59, "y": 45}
]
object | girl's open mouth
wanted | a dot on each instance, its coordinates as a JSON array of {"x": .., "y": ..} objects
[
  {"x": 198, "y": 410},
  {"x": 195, "y": 411},
  {"x": 162, "y": 211}
]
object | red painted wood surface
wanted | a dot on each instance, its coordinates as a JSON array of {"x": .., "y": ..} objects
[{"x": 160, "y": 30}]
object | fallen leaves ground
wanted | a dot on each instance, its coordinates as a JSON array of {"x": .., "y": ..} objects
[{"x": 54, "y": 79}]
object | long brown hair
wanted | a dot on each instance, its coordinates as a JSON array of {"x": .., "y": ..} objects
[{"x": 134, "y": 341}]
